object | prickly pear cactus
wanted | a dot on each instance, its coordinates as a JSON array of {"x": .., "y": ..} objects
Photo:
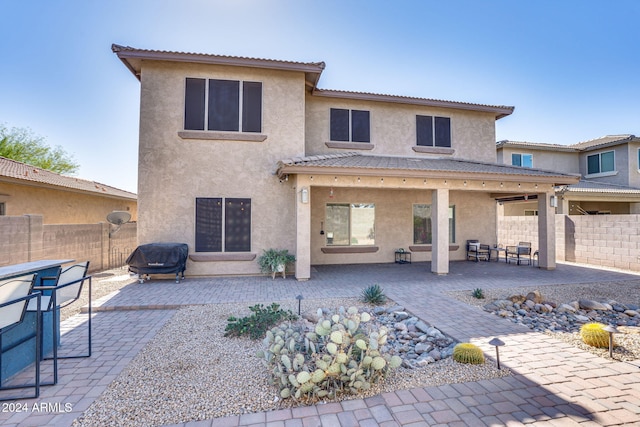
[
  {"x": 594, "y": 335},
  {"x": 468, "y": 353},
  {"x": 341, "y": 353}
]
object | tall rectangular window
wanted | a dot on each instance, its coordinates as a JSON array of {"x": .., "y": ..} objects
[
  {"x": 433, "y": 131},
  {"x": 422, "y": 231},
  {"x": 350, "y": 125},
  {"x": 223, "y": 105},
  {"x": 350, "y": 224},
  {"x": 2, "y": 209},
  {"x": 601, "y": 162},
  {"x": 216, "y": 226},
  {"x": 523, "y": 160}
]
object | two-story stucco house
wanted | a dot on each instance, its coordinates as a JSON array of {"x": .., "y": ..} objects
[
  {"x": 238, "y": 155},
  {"x": 609, "y": 167}
]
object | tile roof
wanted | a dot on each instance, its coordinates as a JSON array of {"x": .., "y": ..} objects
[
  {"x": 14, "y": 170},
  {"x": 352, "y": 160},
  {"x": 603, "y": 141},
  {"x": 499, "y": 110},
  {"x": 588, "y": 186}
]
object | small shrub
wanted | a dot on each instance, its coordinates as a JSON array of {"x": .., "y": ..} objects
[
  {"x": 257, "y": 324},
  {"x": 478, "y": 293},
  {"x": 468, "y": 353},
  {"x": 594, "y": 335},
  {"x": 373, "y": 294}
]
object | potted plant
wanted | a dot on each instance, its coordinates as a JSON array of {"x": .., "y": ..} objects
[{"x": 275, "y": 261}]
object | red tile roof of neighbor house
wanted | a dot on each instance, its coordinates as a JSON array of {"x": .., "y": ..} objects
[{"x": 14, "y": 171}]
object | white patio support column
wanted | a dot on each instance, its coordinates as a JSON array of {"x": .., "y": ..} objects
[
  {"x": 303, "y": 229},
  {"x": 546, "y": 232},
  {"x": 440, "y": 231}
]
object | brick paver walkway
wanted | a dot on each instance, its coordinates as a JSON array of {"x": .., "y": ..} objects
[{"x": 553, "y": 384}]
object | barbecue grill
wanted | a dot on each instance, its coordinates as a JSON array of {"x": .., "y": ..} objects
[{"x": 159, "y": 258}]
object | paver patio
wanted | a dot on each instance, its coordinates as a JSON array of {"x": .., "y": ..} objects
[{"x": 552, "y": 384}]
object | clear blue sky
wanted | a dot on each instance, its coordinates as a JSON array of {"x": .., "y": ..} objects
[{"x": 571, "y": 68}]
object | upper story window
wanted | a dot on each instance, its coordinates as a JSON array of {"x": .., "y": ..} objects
[
  {"x": 524, "y": 160},
  {"x": 601, "y": 162},
  {"x": 350, "y": 125},
  {"x": 433, "y": 131},
  {"x": 638, "y": 158},
  {"x": 223, "y": 105}
]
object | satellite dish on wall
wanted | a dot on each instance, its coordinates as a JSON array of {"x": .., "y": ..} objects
[{"x": 118, "y": 218}]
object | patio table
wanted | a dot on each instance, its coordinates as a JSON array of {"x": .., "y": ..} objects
[{"x": 16, "y": 354}]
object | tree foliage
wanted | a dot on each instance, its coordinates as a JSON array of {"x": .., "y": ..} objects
[{"x": 24, "y": 146}]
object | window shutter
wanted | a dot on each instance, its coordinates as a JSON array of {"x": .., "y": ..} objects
[
  {"x": 252, "y": 107},
  {"x": 443, "y": 131},
  {"x": 237, "y": 225},
  {"x": 360, "y": 128},
  {"x": 224, "y": 105},
  {"x": 208, "y": 224},
  {"x": 424, "y": 131},
  {"x": 194, "y": 104},
  {"x": 339, "y": 124}
]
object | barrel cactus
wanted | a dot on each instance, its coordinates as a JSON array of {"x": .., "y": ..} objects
[
  {"x": 594, "y": 335},
  {"x": 468, "y": 353}
]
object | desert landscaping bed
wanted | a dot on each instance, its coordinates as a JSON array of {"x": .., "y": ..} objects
[{"x": 191, "y": 372}]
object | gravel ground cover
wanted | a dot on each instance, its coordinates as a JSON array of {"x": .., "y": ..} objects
[
  {"x": 627, "y": 342},
  {"x": 191, "y": 372}
]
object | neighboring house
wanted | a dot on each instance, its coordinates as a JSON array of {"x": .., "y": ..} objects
[
  {"x": 609, "y": 167},
  {"x": 238, "y": 155},
  {"x": 60, "y": 199}
]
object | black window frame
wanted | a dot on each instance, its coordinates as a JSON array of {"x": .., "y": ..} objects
[
  {"x": 347, "y": 125},
  {"x": 221, "y": 105},
  {"x": 223, "y": 224},
  {"x": 433, "y": 131}
]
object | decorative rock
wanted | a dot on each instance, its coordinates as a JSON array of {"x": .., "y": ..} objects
[
  {"x": 631, "y": 313},
  {"x": 401, "y": 315},
  {"x": 423, "y": 348},
  {"x": 534, "y": 296},
  {"x": 566, "y": 308},
  {"x": 422, "y": 327},
  {"x": 586, "y": 304},
  {"x": 395, "y": 308}
]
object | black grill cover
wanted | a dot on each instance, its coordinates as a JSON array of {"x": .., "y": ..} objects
[{"x": 159, "y": 258}]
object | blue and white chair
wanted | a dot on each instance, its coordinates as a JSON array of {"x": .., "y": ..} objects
[{"x": 15, "y": 295}]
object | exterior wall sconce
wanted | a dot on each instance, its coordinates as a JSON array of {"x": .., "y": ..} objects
[
  {"x": 553, "y": 201},
  {"x": 612, "y": 330},
  {"x": 304, "y": 195},
  {"x": 497, "y": 342}
]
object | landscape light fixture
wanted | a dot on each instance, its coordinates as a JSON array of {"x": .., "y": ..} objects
[
  {"x": 299, "y": 298},
  {"x": 612, "y": 330},
  {"x": 497, "y": 342}
]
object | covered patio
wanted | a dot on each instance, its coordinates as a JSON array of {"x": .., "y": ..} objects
[{"x": 459, "y": 195}]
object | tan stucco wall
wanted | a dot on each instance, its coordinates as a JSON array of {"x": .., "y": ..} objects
[
  {"x": 475, "y": 215},
  {"x": 393, "y": 128},
  {"x": 61, "y": 207},
  {"x": 621, "y": 175},
  {"x": 634, "y": 167},
  {"x": 549, "y": 160},
  {"x": 174, "y": 171}
]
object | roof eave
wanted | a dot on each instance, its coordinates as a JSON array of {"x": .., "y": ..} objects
[
  {"x": 499, "y": 111},
  {"x": 293, "y": 169},
  {"x": 312, "y": 70}
]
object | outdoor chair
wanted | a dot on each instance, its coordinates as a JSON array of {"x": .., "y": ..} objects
[
  {"x": 520, "y": 253},
  {"x": 15, "y": 295},
  {"x": 477, "y": 251},
  {"x": 66, "y": 289}
]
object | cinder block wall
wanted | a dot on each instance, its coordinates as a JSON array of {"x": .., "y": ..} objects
[
  {"x": 602, "y": 240},
  {"x": 26, "y": 238}
]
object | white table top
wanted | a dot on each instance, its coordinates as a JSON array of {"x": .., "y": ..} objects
[{"x": 30, "y": 267}]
